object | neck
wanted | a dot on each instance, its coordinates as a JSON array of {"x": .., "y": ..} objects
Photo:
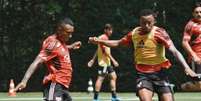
[{"x": 61, "y": 38}]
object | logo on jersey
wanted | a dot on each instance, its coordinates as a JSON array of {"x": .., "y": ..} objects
[{"x": 140, "y": 44}]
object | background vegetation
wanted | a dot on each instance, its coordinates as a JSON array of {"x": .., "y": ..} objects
[{"x": 25, "y": 23}]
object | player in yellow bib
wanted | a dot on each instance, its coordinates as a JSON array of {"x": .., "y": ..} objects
[
  {"x": 105, "y": 67},
  {"x": 149, "y": 42}
]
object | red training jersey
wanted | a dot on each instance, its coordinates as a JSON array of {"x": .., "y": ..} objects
[
  {"x": 192, "y": 32},
  {"x": 57, "y": 59}
]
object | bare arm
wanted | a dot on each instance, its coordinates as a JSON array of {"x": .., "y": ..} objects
[
  {"x": 115, "y": 63},
  {"x": 188, "y": 48},
  {"x": 181, "y": 59},
  {"x": 29, "y": 72},
  {"x": 109, "y": 43},
  {"x": 75, "y": 45},
  {"x": 91, "y": 62}
]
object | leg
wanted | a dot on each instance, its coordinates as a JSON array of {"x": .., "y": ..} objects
[
  {"x": 113, "y": 78},
  {"x": 99, "y": 82},
  {"x": 145, "y": 94},
  {"x": 98, "y": 85},
  {"x": 56, "y": 92},
  {"x": 166, "y": 97},
  {"x": 191, "y": 86}
]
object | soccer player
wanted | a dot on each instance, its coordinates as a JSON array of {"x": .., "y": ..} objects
[
  {"x": 149, "y": 43},
  {"x": 192, "y": 44},
  {"x": 105, "y": 68},
  {"x": 55, "y": 54}
]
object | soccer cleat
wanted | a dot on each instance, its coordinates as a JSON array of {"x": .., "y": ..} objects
[{"x": 115, "y": 99}]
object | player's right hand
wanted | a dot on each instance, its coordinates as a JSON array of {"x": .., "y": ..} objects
[
  {"x": 93, "y": 40},
  {"x": 190, "y": 72},
  {"x": 90, "y": 63},
  {"x": 20, "y": 86}
]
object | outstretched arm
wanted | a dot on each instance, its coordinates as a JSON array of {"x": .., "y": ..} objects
[
  {"x": 181, "y": 59},
  {"x": 75, "y": 45},
  {"x": 29, "y": 72},
  {"x": 109, "y": 43},
  {"x": 91, "y": 62}
]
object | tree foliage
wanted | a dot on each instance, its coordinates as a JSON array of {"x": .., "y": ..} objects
[{"x": 25, "y": 23}]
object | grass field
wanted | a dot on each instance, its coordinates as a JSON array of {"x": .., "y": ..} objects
[{"x": 103, "y": 97}]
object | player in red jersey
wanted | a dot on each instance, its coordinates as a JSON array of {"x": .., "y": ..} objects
[
  {"x": 149, "y": 44},
  {"x": 55, "y": 54},
  {"x": 105, "y": 61},
  {"x": 192, "y": 44}
]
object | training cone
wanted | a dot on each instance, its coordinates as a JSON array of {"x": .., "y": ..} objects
[{"x": 11, "y": 91}]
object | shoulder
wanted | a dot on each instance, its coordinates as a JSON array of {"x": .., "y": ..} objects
[
  {"x": 136, "y": 30},
  {"x": 189, "y": 24},
  {"x": 51, "y": 42},
  {"x": 103, "y": 36},
  {"x": 161, "y": 33}
]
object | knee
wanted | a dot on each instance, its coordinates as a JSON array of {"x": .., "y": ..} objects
[
  {"x": 143, "y": 98},
  {"x": 113, "y": 77}
]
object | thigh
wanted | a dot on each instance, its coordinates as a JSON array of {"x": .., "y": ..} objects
[
  {"x": 56, "y": 92},
  {"x": 143, "y": 82},
  {"x": 145, "y": 94},
  {"x": 110, "y": 69},
  {"x": 166, "y": 97},
  {"x": 102, "y": 71}
]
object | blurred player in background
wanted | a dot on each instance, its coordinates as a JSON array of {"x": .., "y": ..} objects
[
  {"x": 55, "y": 54},
  {"x": 192, "y": 44},
  {"x": 149, "y": 43},
  {"x": 105, "y": 67}
]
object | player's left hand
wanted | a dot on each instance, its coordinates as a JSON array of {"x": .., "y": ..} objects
[
  {"x": 20, "y": 86},
  {"x": 77, "y": 45},
  {"x": 189, "y": 72},
  {"x": 116, "y": 64}
]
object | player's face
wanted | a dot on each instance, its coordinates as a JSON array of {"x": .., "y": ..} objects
[
  {"x": 108, "y": 32},
  {"x": 67, "y": 31},
  {"x": 147, "y": 23},
  {"x": 197, "y": 13}
]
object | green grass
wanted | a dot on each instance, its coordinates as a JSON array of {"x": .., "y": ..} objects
[{"x": 77, "y": 96}]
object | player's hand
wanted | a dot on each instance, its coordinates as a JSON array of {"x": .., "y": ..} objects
[
  {"x": 77, "y": 45},
  {"x": 90, "y": 63},
  {"x": 190, "y": 72},
  {"x": 116, "y": 64},
  {"x": 93, "y": 40},
  {"x": 20, "y": 86}
]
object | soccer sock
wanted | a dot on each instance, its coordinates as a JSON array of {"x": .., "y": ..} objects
[
  {"x": 96, "y": 95},
  {"x": 114, "y": 95}
]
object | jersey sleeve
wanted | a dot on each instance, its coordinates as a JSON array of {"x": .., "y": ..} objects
[
  {"x": 127, "y": 39},
  {"x": 48, "y": 50},
  {"x": 187, "y": 31},
  {"x": 162, "y": 37}
]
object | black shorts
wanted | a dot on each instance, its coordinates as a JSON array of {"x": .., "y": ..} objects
[
  {"x": 105, "y": 70},
  {"x": 157, "y": 82},
  {"x": 196, "y": 67},
  {"x": 56, "y": 92}
]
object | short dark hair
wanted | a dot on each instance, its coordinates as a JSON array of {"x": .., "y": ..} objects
[
  {"x": 197, "y": 4},
  {"x": 108, "y": 26},
  {"x": 146, "y": 12},
  {"x": 66, "y": 21}
]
